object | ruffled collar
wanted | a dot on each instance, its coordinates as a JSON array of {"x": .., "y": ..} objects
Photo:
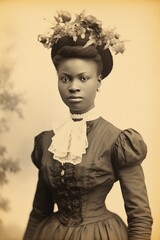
[{"x": 70, "y": 140}]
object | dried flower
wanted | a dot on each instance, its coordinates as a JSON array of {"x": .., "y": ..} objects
[
  {"x": 64, "y": 15},
  {"x": 119, "y": 47},
  {"x": 82, "y": 25}
]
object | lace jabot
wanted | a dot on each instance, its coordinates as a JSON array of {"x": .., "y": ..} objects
[{"x": 70, "y": 140}]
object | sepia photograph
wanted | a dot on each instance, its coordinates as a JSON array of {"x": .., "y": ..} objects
[{"x": 79, "y": 120}]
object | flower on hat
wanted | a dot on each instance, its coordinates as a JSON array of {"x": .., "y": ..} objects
[
  {"x": 81, "y": 26},
  {"x": 64, "y": 16}
]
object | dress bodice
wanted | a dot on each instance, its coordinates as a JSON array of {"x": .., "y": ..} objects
[{"x": 75, "y": 187}]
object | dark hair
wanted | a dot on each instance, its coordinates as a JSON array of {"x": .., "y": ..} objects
[
  {"x": 66, "y": 48},
  {"x": 89, "y": 53}
]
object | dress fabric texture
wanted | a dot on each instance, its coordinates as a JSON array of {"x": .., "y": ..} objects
[{"x": 80, "y": 190}]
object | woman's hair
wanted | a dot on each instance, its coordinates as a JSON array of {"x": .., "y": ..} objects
[{"x": 87, "y": 53}]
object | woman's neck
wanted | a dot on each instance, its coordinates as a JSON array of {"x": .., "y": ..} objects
[{"x": 90, "y": 115}]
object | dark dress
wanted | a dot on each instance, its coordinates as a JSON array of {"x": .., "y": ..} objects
[{"x": 80, "y": 190}]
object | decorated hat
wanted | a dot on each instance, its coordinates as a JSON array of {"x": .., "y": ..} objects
[{"x": 83, "y": 31}]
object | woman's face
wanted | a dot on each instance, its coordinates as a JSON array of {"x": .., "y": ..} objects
[{"x": 77, "y": 83}]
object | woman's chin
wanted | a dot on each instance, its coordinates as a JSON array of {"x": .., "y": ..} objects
[{"x": 79, "y": 110}]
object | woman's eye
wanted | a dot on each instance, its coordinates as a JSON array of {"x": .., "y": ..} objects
[
  {"x": 65, "y": 79},
  {"x": 83, "y": 79}
]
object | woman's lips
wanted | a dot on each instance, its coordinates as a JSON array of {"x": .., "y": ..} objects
[{"x": 75, "y": 99}]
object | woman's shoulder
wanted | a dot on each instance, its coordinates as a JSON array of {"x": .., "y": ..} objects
[
  {"x": 108, "y": 130},
  {"x": 108, "y": 126},
  {"x": 40, "y": 137},
  {"x": 129, "y": 148},
  {"x": 41, "y": 141}
]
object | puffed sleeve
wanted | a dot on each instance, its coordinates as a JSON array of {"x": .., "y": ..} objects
[
  {"x": 43, "y": 199},
  {"x": 128, "y": 152},
  {"x": 37, "y": 152}
]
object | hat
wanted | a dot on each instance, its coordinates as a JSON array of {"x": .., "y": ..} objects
[
  {"x": 106, "y": 56},
  {"x": 83, "y": 31}
]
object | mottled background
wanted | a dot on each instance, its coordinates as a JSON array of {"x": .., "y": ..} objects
[{"x": 129, "y": 97}]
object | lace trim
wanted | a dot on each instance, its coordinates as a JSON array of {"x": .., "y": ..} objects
[
  {"x": 70, "y": 140},
  {"x": 88, "y": 116}
]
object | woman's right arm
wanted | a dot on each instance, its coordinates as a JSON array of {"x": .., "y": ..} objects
[{"x": 43, "y": 200}]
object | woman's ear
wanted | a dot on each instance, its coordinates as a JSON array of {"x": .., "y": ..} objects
[{"x": 99, "y": 80}]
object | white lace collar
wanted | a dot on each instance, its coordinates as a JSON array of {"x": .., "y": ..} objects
[
  {"x": 70, "y": 140},
  {"x": 88, "y": 116}
]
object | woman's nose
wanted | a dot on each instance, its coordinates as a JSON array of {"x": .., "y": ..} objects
[{"x": 74, "y": 86}]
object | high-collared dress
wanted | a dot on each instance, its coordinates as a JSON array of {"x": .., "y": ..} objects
[{"x": 80, "y": 190}]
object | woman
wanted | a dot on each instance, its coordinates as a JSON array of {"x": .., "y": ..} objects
[{"x": 82, "y": 157}]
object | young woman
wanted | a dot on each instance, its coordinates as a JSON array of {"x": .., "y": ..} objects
[{"x": 82, "y": 157}]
